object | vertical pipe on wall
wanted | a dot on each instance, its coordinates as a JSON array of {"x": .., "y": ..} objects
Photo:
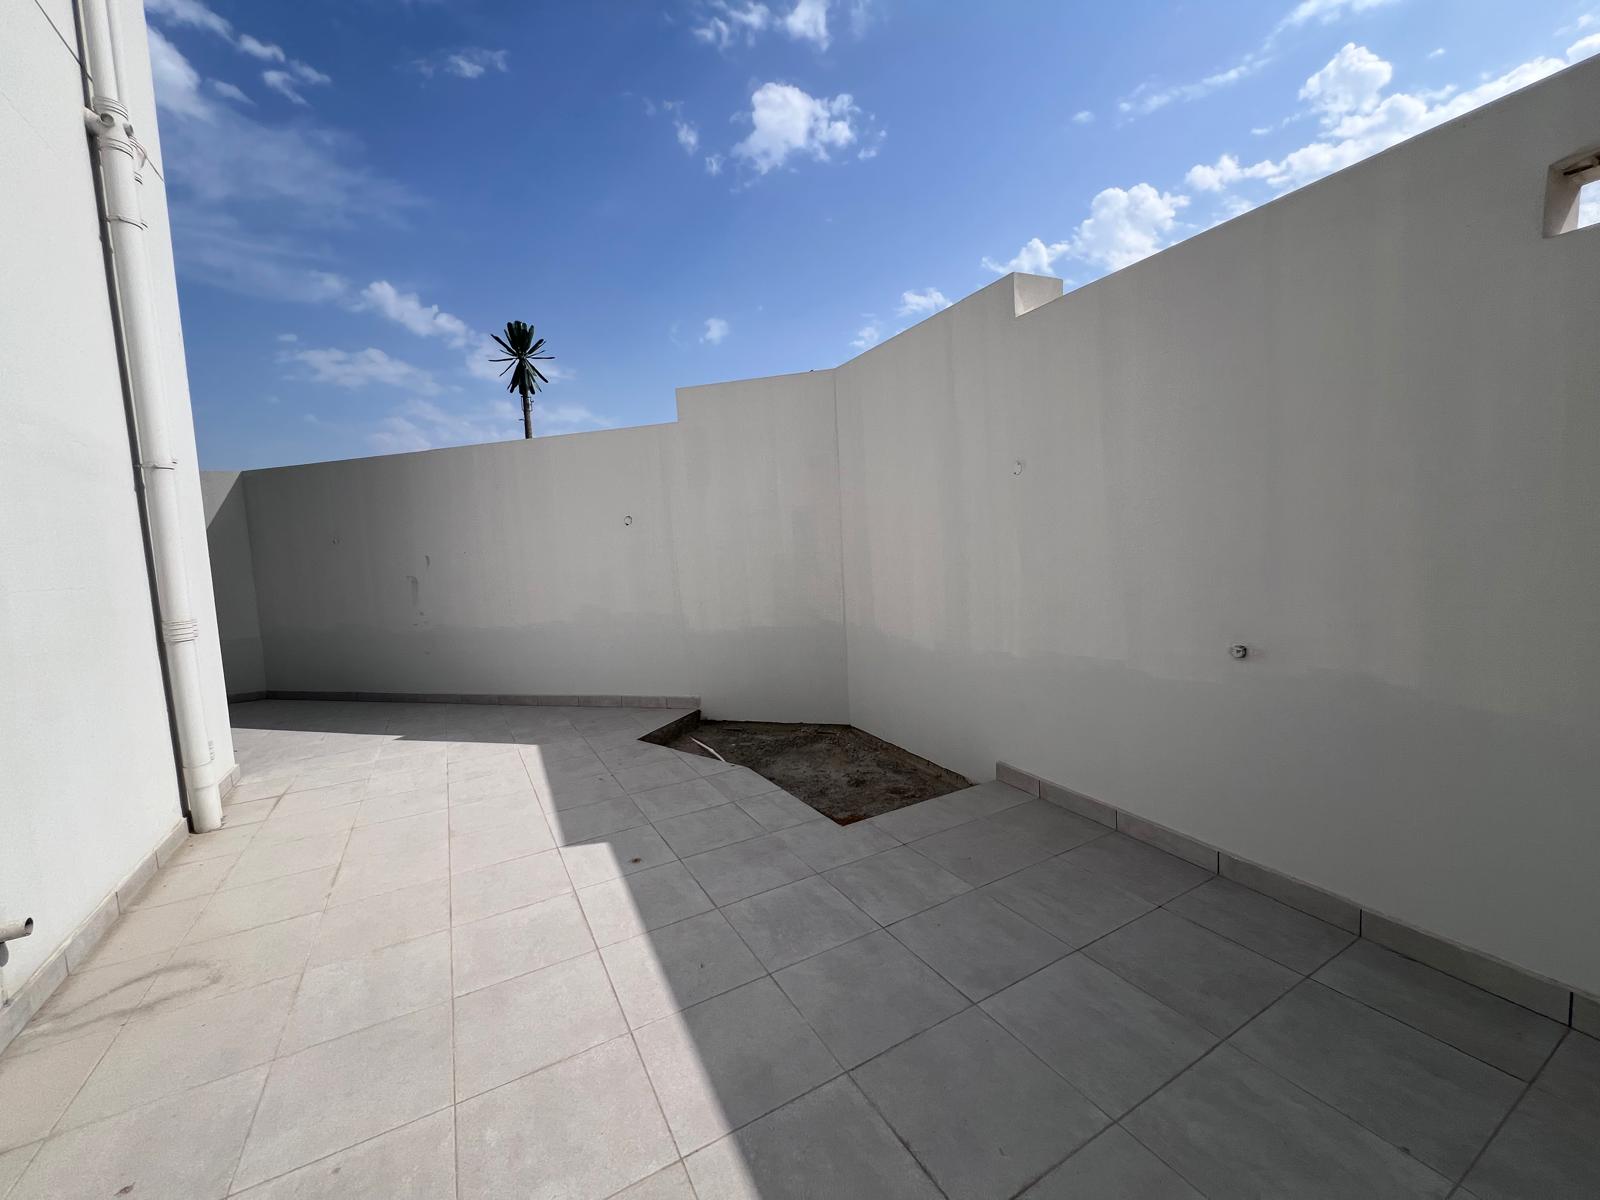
[{"x": 121, "y": 159}]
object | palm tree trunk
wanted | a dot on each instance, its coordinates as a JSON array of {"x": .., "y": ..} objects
[{"x": 527, "y": 417}]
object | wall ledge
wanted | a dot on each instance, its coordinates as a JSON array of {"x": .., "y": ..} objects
[
  {"x": 564, "y": 701},
  {"x": 1547, "y": 997}
]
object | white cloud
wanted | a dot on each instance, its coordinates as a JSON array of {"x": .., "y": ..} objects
[
  {"x": 1146, "y": 98},
  {"x": 470, "y": 62},
  {"x": 1327, "y": 11},
  {"x": 928, "y": 300},
  {"x": 1438, "y": 53},
  {"x": 727, "y": 24},
  {"x": 688, "y": 135},
  {"x": 1589, "y": 206},
  {"x": 223, "y": 88},
  {"x": 357, "y": 369},
  {"x": 288, "y": 337},
  {"x": 713, "y": 164},
  {"x": 177, "y": 83},
  {"x": 1035, "y": 258},
  {"x": 868, "y": 336},
  {"x": 808, "y": 22},
  {"x": 1352, "y": 82},
  {"x": 408, "y": 310},
  {"x": 287, "y": 83},
  {"x": 265, "y": 51},
  {"x": 1584, "y": 48},
  {"x": 786, "y": 121},
  {"x": 191, "y": 13},
  {"x": 1376, "y": 123},
  {"x": 420, "y": 424},
  {"x": 1083, "y": 118},
  {"x": 716, "y": 330}
]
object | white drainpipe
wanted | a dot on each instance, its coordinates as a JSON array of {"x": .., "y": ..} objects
[{"x": 121, "y": 159}]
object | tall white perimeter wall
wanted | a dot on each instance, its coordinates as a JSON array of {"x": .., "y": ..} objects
[
  {"x": 1357, "y": 430},
  {"x": 88, "y": 782}
]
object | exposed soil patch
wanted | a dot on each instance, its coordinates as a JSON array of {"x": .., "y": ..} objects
[{"x": 836, "y": 769}]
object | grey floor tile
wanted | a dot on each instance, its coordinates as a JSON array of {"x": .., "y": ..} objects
[
  {"x": 14, "y": 1162},
  {"x": 366, "y": 925},
  {"x": 146, "y": 932},
  {"x": 515, "y": 883},
  {"x": 796, "y": 921},
  {"x": 139, "y": 1148},
  {"x": 776, "y": 1157},
  {"x": 524, "y": 1024},
  {"x": 697, "y": 832},
  {"x": 1286, "y": 935},
  {"x": 353, "y": 993},
  {"x": 1548, "y": 1149},
  {"x": 1113, "y": 1042},
  {"x": 724, "y": 1062},
  {"x": 1112, "y": 1167},
  {"x": 977, "y": 944},
  {"x": 1502, "y": 1034},
  {"x": 257, "y": 904},
  {"x": 923, "y": 819},
  {"x": 564, "y": 792},
  {"x": 981, "y": 1113},
  {"x": 360, "y": 878},
  {"x": 158, "y": 1054},
  {"x": 1076, "y": 905},
  {"x": 596, "y": 820},
  {"x": 615, "y": 855},
  {"x": 339, "y": 1093},
  {"x": 670, "y": 1184},
  {"x": 1432, "y": 1101},
  {"x": 979, "y": 852},
  {"x": 1148, "y": 873},
  {"x": 648, "y": 775},
  {"x": 733, "y": 872},
  {"x": 779, "y": 810},
  {"x": 408, "y": 835},
  {"x": 583, "y": 1129},
  {"x": 184, "y": 881},
  {"x": 623, "y": 908},
  {"x": 90, "y": 1001},
  {"x": 264, "y": 860},
  {"x": 867, "y": 995},
  {"x": 670, "y": 968},
  {"x": 895, "y": 884},
  {"x": 824, "y": 844},
  {"x": 985, "y": 799},
  {"x": 37, "y": 1087},
  {"x": 500, "y": 812},
  {"x": 1573, "y": 1072},
  {"x": 1209, "y": 979},
  {"x": 1233, "y": 1128},
  {"x": 485, "y": 847},
  {"x": 394, "y": 805},
  {"x": 281, "y": 828},
  {"x": 1049, "y": 825},
  {"x": 513, "y": 943},
  {"x": 414, "y": 1162},
  {"x": 202, "y": 970},
  {"x": 741, "y": 782}
]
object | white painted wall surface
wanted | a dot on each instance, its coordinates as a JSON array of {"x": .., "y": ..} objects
[
  {"x": 88, "y": 784},
  {"x": 233, "y": 581},
  {"x": 1358, "y": 430}
]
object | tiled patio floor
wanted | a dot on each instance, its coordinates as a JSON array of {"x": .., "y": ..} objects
[{"x": 474, "y": 951}]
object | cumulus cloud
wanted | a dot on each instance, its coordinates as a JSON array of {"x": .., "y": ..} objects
[
  {"x": 725, "y": 24},
  {"x": 688, "y": 135},
  {"x": 716, "y": 330},
  {"x": 785, "y": 121},
  {"x": 916, "y": 304},
  {"x": 266, "y": 51},
  {"x": 422, "y": 424},
  {"x": 356, "y": 369},
  {"x": 1327, "y": 11},
  {"x": 808, "y": 22},
  {"x": 714, "y": 164},
  {"x": 868, "y": 336},
  {"x": 1083, "y": 118},
  {"x": 1124, "y": 225},
  {"x": 1352, "y": 82}
]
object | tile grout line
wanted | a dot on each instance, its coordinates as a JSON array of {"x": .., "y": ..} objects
[{"x": 1516, "y": 1104}]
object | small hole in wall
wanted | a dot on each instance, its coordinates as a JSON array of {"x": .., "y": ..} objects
[
  {"x": 627, "y": 520},
  {"x": 1589, "y": 204},
  {"x": 1572, "y": 196}
]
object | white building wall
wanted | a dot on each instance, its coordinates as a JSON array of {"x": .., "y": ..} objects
[
  {"x": 88, "y": 783},
  {"x": 233, "y": 582},
  {"x": 1357, "y": 430}
]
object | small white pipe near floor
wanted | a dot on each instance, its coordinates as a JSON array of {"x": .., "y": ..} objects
[{"x": 121, "y": 159}]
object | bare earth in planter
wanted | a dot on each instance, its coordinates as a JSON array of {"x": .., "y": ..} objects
[{"x": 836, "y": 769}]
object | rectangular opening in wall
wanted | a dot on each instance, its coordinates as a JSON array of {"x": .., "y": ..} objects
[{"x": 1572, "y": 195}]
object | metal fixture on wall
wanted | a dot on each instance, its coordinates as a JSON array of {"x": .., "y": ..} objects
[
  {"x": 1239, "y": 651},
  {"x": 10, "y": 933}
]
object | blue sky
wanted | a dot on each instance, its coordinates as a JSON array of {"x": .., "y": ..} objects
[{"x": 699, "y": 190}]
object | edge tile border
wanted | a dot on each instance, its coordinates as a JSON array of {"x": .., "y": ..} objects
[
  {"x": 71, "y": 955},
  {"x": 562, "y": 701},
  {"x": 1547, "y": 997}
]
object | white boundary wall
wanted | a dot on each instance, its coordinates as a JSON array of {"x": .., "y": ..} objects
[
  {"x": 88, "y": 781},
  {"x": 1357, "y": 430}
]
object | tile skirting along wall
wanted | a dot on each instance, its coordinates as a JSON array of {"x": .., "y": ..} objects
[
  {"x": 72, "y": 954},
  {"x": 478, "y": 698},
  {"x": 1544, "y": 996}
]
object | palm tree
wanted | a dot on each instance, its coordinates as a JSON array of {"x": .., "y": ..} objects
[{"x": 522, "y": 351}]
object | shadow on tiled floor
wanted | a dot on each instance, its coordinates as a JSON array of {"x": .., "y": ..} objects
[{"x": 477, "y": 951}]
